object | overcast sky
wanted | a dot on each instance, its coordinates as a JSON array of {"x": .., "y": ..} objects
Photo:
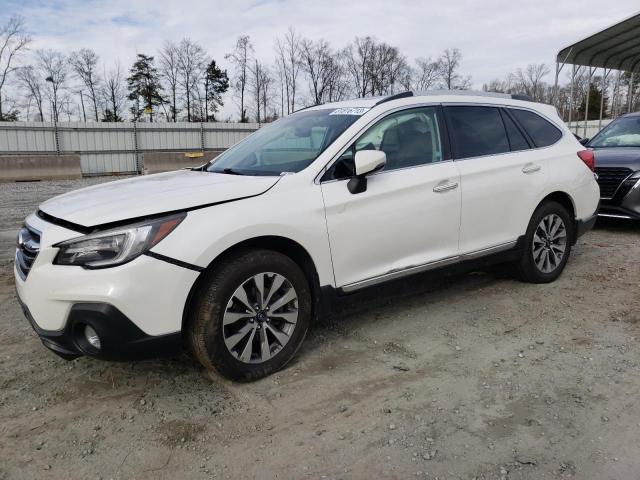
[{"x": 495, "y": 36}]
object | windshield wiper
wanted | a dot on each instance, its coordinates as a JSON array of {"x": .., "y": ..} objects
[{"x": 228, "y": 171}]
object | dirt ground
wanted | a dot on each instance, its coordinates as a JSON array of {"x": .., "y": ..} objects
[{"x": 475, "y": 376}]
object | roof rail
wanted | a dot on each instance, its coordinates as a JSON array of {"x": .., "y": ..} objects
[
  {"x": 474, "y": 93},
  {"x": 395, "y": 97},
  {"x": 522, "y": 96},
  {"x": 308, "y": 106}
]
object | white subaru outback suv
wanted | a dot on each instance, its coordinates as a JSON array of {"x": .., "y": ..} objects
[{"x": 233, "y": 259}]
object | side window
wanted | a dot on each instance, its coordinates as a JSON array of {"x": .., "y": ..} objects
[
  {"x": 408, "y": 138},
  {"x": 542, "y": 132},
  {"x": 516, "y": 139},
  {"x": 476, "y": 131}
]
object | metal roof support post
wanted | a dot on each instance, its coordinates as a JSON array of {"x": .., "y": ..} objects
[
  {"x": 586, "y": 101},
  {"x": 605, "y": 74},
  {"x": 56, "y": 134},
  {"x": 202, "y": 137},
  {"x": 630, "y": 94},
  {"x": 559, "y": 67},
  {"x": 555, "y": 86},
  {"x": 136, "y": 153},
  {"x": 573, "y": 77}
]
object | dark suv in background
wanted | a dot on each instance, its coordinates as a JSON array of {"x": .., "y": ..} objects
[{"x": 617, "y": 159}]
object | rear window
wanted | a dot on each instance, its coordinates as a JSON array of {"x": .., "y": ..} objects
[
  {"x": 516, "y": 139},
  {"x": 476, "y": 131},
  {"x": 542, "y": 132}
]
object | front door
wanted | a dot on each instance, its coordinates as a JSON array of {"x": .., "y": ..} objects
[{"x": 409, "y": 215}]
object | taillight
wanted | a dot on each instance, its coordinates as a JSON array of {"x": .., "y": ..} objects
[{"x": 588, "y": 158}]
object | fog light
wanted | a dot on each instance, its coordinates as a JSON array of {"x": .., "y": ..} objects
[{"x": 92, "y": 337}]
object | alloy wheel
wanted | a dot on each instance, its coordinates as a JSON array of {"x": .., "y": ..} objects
[
  {"x": 260, "y": 317},
  {"x": 549, "y": 243}
]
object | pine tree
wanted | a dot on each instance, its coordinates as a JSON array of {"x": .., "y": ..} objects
[
  {"x": 145, "y": 90},
  {"x": 595, "y": 95},
  {"x": 109, "y": 116},
  {"x": 216, "y": 82}
]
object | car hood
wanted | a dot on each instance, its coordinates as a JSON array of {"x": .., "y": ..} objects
[
  {"x": 152, "y": 194},
  {"x": 628, "y": 157}
]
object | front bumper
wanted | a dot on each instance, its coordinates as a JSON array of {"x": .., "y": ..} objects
[
  {"x": 137, "y": 307},
  {"x": 120, "y": 338},
  {"x": 624, "y": 204}
]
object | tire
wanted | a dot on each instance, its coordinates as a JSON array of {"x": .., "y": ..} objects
[
  {"x": 541, "y": 242},
  {"x": 223, "y": 315}
]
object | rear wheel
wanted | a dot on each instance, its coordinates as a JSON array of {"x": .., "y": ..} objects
[
  {"x": 252, "y": 315},
  {"x": 547, "y": 244}
]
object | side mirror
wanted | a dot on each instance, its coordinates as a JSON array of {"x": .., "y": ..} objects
[
  {"x": 584, "y": 141},
  {"x": 366, "y": 161}
]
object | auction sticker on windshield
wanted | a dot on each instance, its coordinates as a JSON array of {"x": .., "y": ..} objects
[{"x": 350, "y": 111}]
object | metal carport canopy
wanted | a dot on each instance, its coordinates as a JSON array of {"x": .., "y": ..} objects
[{"x": 616, "y": 47}]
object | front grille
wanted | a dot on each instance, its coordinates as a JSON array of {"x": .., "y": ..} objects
[
  {"x": 610, "y": 178},
  {"x": 27, "y": 250}
]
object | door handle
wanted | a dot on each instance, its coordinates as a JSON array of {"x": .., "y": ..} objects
[
  {"x": 445, "y": 187},
  {"x": 531, "y": 168}
]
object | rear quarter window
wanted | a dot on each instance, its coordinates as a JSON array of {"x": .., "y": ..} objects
[{"x": 541, "y": 131}]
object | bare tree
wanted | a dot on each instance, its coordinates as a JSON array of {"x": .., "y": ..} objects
[
  {"x": 282, "y": 82},
  {"x": 288, "y": 55},
  {"x": 114, "y": 94},
  {"x": 54, "y": 68},
  {"x": 324, "y": 70},
  {"x": 529, "y": 81},
  {"x": 241, "y": 57},
  {"x": 170, "y": 72},
  {"x": 358, "y": 58},
  {"x": 191, "y": 61},
  {"x": 31, "y": 82},
  {"x": 337, "y": 86},
  {"x": 317, "y": 63},
  {"x": 283, "y": 76},
  {"x": 376, "y": 68},
  {"x": 267, "y": 86},
  {"x": 84, "y": 63},
  {"x": 13, "y": 40},
  {"x": 449, "y": 66},
  {"x": 386, "y": 68},
  {"x": 260, "y": 82},
  {"x": 496, "y": 86},
  {"x": 426, "y": 74}
]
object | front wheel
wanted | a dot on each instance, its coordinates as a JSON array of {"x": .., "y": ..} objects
[
  {"x": 251, "y": 316},
  {"x": 547, "y": 244}
]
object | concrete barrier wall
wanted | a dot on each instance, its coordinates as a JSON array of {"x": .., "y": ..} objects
[
  {"x": 155, "y": 162},
  {"x": 15, "y": 168}
]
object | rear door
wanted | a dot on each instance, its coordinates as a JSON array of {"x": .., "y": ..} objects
[{"x": 502, "y": 176}]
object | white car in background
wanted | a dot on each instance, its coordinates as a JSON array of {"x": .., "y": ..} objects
[{"x": 235, "y": 258}]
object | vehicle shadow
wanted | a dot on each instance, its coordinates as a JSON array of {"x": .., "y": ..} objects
[
  {"x": 350, "y": 311},
  {"x": 617, "y": 224}
]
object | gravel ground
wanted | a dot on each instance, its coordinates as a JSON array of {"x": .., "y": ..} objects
[{"x": 473, "y": 376}]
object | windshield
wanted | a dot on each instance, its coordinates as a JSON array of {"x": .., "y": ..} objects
[
  {"x": 623, "y": 132},
  {"x": 288, "y": 145}
]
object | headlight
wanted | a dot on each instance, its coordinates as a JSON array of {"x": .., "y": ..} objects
[{"x": 117, "y": 246}]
